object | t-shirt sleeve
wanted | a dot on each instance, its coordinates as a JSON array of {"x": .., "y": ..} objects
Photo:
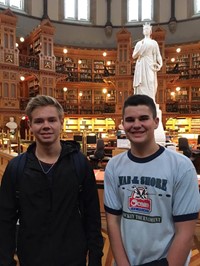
[{"x": 186, "y": 197}]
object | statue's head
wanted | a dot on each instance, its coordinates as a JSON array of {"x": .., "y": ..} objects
[
  {"x": 147, "y": 27},
  {"x": 11, "y": 119}
]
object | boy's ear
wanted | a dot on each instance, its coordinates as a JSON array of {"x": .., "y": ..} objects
[{"x": 156, "y": 122}]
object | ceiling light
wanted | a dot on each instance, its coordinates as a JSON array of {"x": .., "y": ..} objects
[
  {"x": 21, "y": 39},
  {"x": 104, "y": 90}
]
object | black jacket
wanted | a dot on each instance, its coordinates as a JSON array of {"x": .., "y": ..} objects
[{"x": 51, "y": 231}]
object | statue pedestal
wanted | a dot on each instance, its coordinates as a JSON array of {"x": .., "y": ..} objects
[{"x": 159, "y": 132}]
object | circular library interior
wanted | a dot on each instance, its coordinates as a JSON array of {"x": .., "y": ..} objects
[{"x": 81, "y": 53}]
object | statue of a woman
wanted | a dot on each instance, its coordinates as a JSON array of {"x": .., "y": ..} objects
[{"x": 149, "y": 62}]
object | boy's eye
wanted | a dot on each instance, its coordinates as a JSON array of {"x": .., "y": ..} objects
[
  {"x": 38, "y": 121},
  {"x": 144, "y": 118},
  {"x": 52, "y": 120},
  {"x": 129, "y": 119},
  {"x": 132, "y": 119}
]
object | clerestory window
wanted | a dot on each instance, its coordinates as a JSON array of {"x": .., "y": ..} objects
[
  {"x": 13, "y": 4},
  {"x": 139, "y": 10},
  {"x": 77, "y": 10},
  {"x": 197, "y": 7}
]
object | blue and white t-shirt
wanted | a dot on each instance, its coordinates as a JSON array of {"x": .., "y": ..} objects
[{"x": 151, "y": 194}]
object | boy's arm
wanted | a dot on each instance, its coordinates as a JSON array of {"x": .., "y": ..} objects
[
  {"x": 119, "y": 253},
  {"x": 8, "y": 217},
  {"x": 182, "y": 243}
]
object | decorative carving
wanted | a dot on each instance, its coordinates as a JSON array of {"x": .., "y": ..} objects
[
  {"x": 172, "y": 25},
  {"x": 47, "y": 64},
  {"x": 9, "y": 58},
  {"x": 108, "y": 30}
]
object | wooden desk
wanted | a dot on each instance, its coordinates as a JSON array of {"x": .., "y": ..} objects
[
  {"x": 118, "y": 151},
  {"x": 99, "y": 175}
]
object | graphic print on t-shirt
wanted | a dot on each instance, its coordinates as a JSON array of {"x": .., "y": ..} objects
[{"x": 139, "y": 201}]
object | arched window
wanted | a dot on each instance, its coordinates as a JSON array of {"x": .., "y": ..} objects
[
  {"x": 139, "y": 10},
  {"x": 13, "y": 91},
  {"x": 50, "y": 92},
  {"x": 77, "y": 10},
  {"x": 5, "y": 90},
  {"x": 13, "y": 4}
]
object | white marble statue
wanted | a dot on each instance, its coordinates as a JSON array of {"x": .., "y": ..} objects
[
  {"x": 12, "y": 125},
  {"x": 149, "y": 62}
]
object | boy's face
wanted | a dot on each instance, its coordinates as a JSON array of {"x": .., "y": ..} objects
[
  {"x": 139, "y": 124},
  {"x": 46, "y": 124}
]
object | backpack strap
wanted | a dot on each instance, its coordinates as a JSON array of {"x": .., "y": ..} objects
[
  {"x": 80, "y": 167},
  {"x": 18, "y": 164}
]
